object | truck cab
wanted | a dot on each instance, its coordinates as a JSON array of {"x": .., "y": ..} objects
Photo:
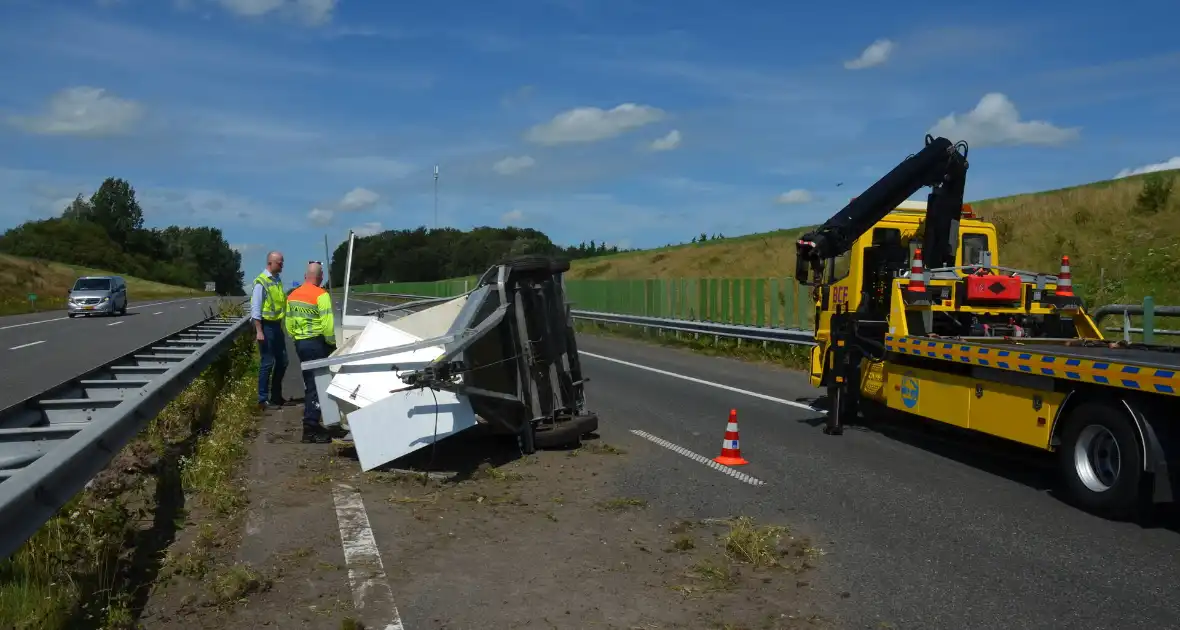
[{"x": 860, "y": 279}]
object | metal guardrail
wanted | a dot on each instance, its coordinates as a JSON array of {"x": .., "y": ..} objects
[
  {"x": 1148, "y": 311},
  {"x": 736, "y": 331},
  {"x": 53, "y": 444}
]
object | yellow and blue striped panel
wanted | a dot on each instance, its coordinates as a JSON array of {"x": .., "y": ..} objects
[{"x": 1109, "y": 372}]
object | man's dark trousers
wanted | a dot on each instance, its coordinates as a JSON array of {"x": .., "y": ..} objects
[
  {"x": 273, "y": 350},
  {"x": 310, "y": 350}
]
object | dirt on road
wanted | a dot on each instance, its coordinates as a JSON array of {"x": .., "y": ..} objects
[{"x": 545, "y": 541}]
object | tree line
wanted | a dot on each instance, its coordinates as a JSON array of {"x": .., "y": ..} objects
[
  {"x": 422, "y": 255},
  {"x": 106, "y": 232}
]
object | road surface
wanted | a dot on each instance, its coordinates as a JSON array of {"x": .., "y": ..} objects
[
  {"x": 916, "y": 534},
  {"x": 923, "y": 532},
  {"x": 40, "y": 350}
]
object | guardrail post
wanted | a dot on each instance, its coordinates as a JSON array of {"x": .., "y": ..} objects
[{"x": 1148, "y": 319}]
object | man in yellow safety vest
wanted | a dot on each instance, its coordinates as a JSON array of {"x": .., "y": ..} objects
[
  {"x": 268, "y": 305},
  {"x": 311, "y": 324}
]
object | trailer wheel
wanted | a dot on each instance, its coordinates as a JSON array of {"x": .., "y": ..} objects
[{"x": 1101, "y": 461}]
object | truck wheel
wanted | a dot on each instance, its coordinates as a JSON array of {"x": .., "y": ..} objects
[{"x": 1101, "y": 461}]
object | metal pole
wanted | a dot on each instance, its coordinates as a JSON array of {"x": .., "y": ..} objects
[
  {"x": 436, "y": 196},
  {"x": 347, "y": 276},
  {"x": 327, "y": 263}
]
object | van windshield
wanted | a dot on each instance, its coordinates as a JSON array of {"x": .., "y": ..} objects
[{"x": 92, "y": 284}]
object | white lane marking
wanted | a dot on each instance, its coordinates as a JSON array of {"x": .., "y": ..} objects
[
  {"x": 26, "y": 345},
  {"x": 130, "y": 308},
  {"x": 781, "y": 401},
  {"x": 158, "y": 313},
  {"x": 115, "y": 323},
  {"x": 736, "y": 474},
  {"x": 366, "y": 573}
]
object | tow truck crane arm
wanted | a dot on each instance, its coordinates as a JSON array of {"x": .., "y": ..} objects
[{"x": 942, "y": 165}]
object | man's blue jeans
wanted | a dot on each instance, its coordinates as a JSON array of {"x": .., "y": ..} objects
[
  {"x": 310, "y": 350},
  {"x": 274, "y": 362}
]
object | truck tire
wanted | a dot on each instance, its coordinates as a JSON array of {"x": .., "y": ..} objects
[{"x": 1100, "y": 460}]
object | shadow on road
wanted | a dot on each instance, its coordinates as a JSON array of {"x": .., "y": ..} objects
[
  {"x": 1015, "y": 462},
  {"x": 461, "y": 456}
]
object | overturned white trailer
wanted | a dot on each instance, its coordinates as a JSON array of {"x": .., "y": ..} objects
[{"x": 503, "y": 355}]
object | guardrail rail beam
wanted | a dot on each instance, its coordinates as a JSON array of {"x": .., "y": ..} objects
[{"x": 53, "y": 444}]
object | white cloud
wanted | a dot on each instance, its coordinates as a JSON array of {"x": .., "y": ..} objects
[
  {"x": 996, "y": 122},
  {"x": 358, "y": 199},
  {"x": 666, "y": 143},
  {"x": 512, "y": 216},
  {"x": 798, "y": 195},
  {"x": 311, "y": 12},
  {"x": 876, "y": 54},
  {"x": 591, "y": 124},
  {"x": 368, "y": 229},
  {"x": 82, "y": 111},
  {"x": 514, "y": 165},
  {"x": 1166, "y": 165},
  {"x": 352, "y": 201},
  {"x": 319, "y": 216}
]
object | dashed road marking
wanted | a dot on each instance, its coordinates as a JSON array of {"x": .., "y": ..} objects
[
  {"x": 115, "y": 323},
  {"x": 158, "y": 313},
  {"x": 738, "y": 390},
  {"x": 26, "y": 345},
  {"x": 130, "y": 308},
  {"x": 676, "y": 448},
  {"x": 371, "y": 595}
]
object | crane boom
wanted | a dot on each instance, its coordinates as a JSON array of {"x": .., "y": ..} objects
[{"x": 941, "y": 164}]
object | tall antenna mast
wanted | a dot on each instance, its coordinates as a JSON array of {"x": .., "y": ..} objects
[{"x": 436, "y": 196}]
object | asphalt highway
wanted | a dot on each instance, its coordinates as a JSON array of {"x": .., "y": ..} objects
[
  {"x": 919, "y": 531},
  {"x": 41, "y": 350}
]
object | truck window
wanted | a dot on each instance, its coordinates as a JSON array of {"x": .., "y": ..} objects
[
  {"x": 839, "y": 266},
  {"x": 972, "y": 248}
]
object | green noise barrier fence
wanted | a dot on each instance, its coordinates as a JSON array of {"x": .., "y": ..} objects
[{"x": 765, "y": 302}]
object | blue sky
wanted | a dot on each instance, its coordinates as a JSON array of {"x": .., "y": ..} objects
[{"x": 634, "y": 123}]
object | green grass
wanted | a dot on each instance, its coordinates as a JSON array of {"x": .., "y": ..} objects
[
  {"x": 51, "y": 281},
  {"x": 1120, "y": 251},
  {"x": 86, "y": 566}
]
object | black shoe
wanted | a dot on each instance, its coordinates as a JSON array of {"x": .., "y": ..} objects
[
  {"x": 282, "y": 402},
  {"x": 315, "y": 436},
  {"x": 268, "y": 406},
  {"x": 336, "y": 431}
]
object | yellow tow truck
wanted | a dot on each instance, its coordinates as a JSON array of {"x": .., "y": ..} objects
[{"x": 914, "y": 313}]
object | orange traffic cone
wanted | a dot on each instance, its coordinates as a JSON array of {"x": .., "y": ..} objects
[
  {"x": 731, "y": 453},
  {"x": 1065, "y": 279},
  {"x": 917, "y": 283}
]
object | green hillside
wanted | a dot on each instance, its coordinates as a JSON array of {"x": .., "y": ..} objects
[
  {"x": 50, "y": 281},
  {"x": 1123, "y": 242}
]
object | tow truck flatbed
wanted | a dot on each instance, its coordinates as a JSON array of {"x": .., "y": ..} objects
[
  {"x": 994, "y": 350},
  {"x": 1136, "y": 369}
]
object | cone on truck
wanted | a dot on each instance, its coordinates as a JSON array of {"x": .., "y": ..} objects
[{"x": 731, "y": 451}]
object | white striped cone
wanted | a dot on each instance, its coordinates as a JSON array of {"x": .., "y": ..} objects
[
  {"x": 1064, "y": 280},
  {"x": 731, "y": 451},
  {"x": 917, "y": 283}
]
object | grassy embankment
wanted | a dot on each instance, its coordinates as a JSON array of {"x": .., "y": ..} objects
[
  {"x": 50, "y": 281},
  {"x": 93, "y": 565},
  {"x": 1121, "y": 249}
]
